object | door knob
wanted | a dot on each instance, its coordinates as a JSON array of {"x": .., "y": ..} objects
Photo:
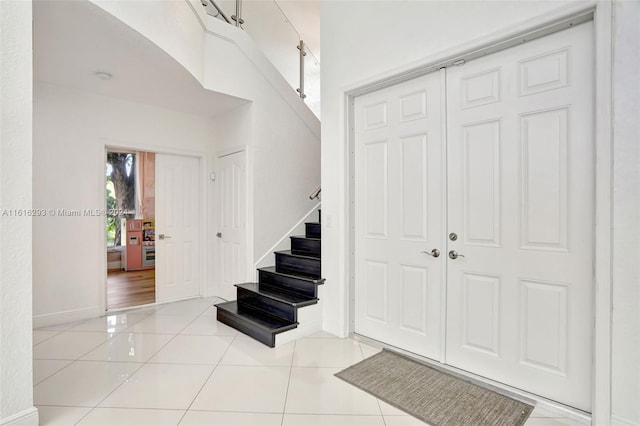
[
  {"x": 162, "y": 236},
  {"x": 434, "y": 252},
  {"x": 454, "y": 255}
]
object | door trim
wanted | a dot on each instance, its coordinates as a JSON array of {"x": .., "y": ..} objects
[
  {"x": 603, "y": 215},
  {"x": 108, "y": 144},
  {"x": 561, "y": 18},
  {"x": 444, "y": 140}
]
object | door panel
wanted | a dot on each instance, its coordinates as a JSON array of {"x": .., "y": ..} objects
[
  {"x": 481, "y": 313},
  {"x": 178, "y": 218},
  {"x": 544, "y": 140},
  {"x": 520, "y": 197},
  {"x": 398, "y": 206},
  {"x": 481, "y": 185},
  {"x": 232, "y": 226}
]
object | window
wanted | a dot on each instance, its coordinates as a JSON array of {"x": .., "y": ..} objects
[{"x": 121, "y": 193}]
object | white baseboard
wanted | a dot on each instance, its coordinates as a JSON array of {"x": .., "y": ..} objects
[
  {"x": 28, "y": 417},
  {"x": 303, "y": 330},
  {"x": 619, "y": 421},
  {"x": 66, "y": 316},
  {"x": 333, "y": 326}
]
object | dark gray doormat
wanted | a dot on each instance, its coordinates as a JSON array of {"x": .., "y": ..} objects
[{"x": 432, "y": 396}]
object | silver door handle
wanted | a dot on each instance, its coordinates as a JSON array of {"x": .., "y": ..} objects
[
  {"x": 454, "y": 255},
  {"x": 162, "y": 236},
  {"x": 434, "y": 252}
]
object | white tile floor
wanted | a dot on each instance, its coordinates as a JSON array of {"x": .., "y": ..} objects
[{"x": 175, "y": 364}]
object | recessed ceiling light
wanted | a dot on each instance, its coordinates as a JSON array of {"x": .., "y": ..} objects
[{"x": 102, "y": 75}]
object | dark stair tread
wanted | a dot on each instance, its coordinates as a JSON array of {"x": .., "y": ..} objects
[
  {"x": 258, "y": 319},
  {"x": 306, "y": 238},
  {"x": 272, "y": 270},
  {"x": 295, "y": 300},
  {"x": 304, "y": 256}
]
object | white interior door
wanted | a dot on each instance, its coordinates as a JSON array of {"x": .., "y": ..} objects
[
  {"x": 521, "y": 200},
  {"x": 518, "y": 194},
  {"x": 178, "y": 228},
  {"x": 232, "y": 230},
  {"x": 398, "y": 213}
]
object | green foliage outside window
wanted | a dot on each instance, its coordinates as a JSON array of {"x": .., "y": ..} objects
[{"x": 111, "y": 220}]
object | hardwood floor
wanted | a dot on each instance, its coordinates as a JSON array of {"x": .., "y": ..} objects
[{"x": 130, "y": 288}]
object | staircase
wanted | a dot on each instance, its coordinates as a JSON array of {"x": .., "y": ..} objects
[{"x": 270, "y": 306}]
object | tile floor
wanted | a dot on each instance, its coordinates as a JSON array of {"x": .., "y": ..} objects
[{"x": 175, "y": 364}]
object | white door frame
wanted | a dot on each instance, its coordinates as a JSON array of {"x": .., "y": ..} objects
[
  {"x": 108, "y": 145},
  {"x": 564, "y": 17}
]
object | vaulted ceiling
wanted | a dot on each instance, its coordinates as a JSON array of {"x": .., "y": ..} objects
[{"x": 75, "y": 39}]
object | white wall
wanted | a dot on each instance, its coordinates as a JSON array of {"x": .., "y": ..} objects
[
  {"x": 364, "y": 39},
  {"x": 16, "y": 373},
  {"x": 626, "y": 215},
  {"x": 71, "y": 130},
  {"x": 284, "y": 152},
  {"x": 281, "y": 132}
]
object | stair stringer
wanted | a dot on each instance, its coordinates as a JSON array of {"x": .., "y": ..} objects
[
  {"x": 309, "y": 322},
  {"x": 283, "y": 243}
]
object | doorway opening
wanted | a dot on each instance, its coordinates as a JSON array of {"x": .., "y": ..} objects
[{"x": 130, "y": 228}]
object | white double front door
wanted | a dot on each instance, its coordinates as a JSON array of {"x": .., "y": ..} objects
[{"x": 489, "y": 166}]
